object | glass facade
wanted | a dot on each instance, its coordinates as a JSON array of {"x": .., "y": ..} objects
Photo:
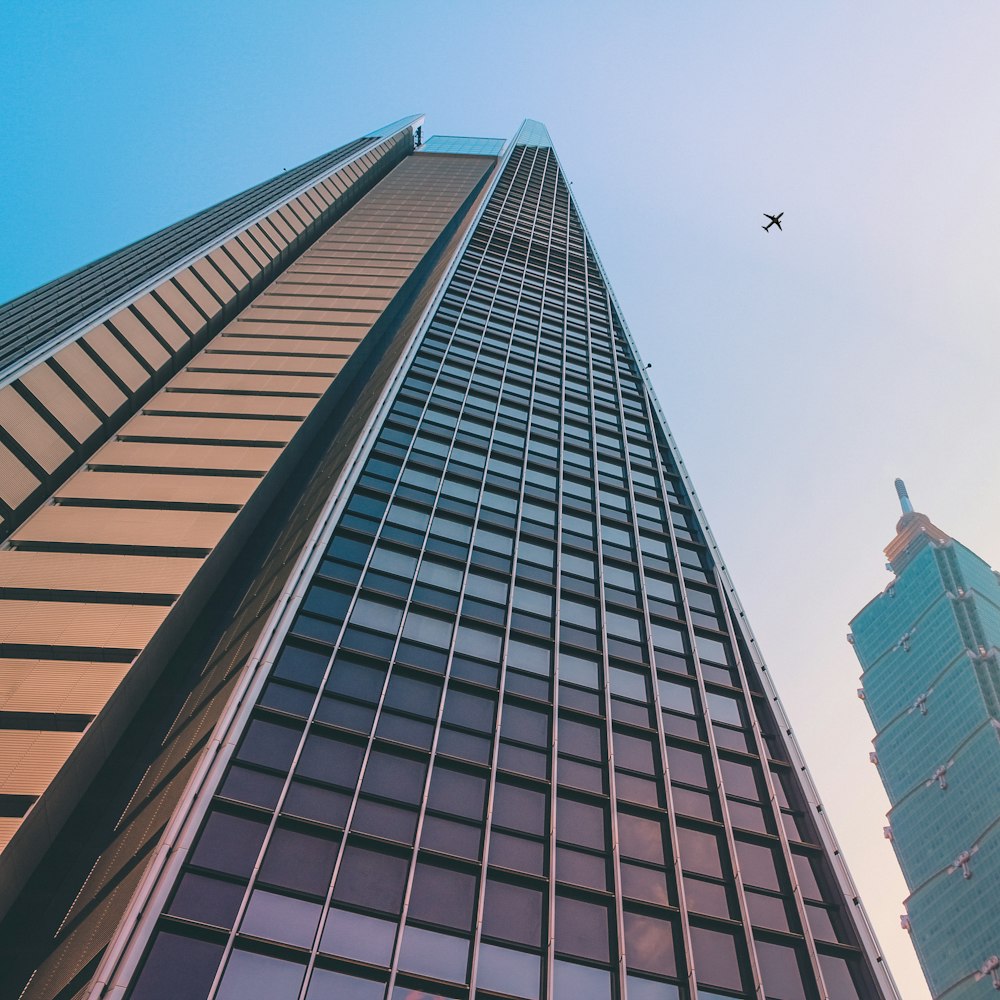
[
  {"x": 510, "y": 742},
  {"x": 463, "y": 144},
  {"x": 928, "y": 646}
]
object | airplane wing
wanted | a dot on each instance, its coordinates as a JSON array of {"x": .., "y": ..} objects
[{"x": 777, "y": 222}]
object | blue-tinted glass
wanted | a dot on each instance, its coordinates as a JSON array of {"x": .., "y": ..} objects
[
  {"x": 358, "y": 936},
  {"x": 250, "y": 976}
]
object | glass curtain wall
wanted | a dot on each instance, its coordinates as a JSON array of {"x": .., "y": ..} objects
[{"x": 511, "y": 747}]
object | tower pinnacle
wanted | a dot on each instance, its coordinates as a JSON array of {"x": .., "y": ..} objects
[{"x": 904, "y": 497}]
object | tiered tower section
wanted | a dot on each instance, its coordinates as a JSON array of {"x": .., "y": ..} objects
[{"x": 929, "y": 648}]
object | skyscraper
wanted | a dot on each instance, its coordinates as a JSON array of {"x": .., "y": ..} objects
[
  {"x": 928, "y": 645},
  {"x": 375, "y": 638}
]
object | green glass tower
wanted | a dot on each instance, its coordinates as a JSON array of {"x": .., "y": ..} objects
[{"x": 929, "y": 648}]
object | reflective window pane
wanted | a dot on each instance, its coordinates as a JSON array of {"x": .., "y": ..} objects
[
  {"x": 504, "y": 970},
  {"x": 325, "y": 984},
  {"x": 250, "y": 976},
  {"x": 428, "y": 953},
  {"x": 358, "y": 936}
]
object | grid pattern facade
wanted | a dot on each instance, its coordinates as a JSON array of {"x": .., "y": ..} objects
[
  {"x": 121, "y": 828},
  {"x": 929, "y": 648},
  {"x": 462, "y": 144},
  {"x": 512, "y": 744},
  {"x": 87, "y": 581}
]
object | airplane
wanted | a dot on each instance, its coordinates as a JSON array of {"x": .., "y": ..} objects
[{"x": 775, "y": 221}]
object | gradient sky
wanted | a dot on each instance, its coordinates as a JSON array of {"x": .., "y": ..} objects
[{"x": 801, "y": 371}]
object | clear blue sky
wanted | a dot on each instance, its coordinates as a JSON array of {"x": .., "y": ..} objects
[{"x": 801, "y": 371}]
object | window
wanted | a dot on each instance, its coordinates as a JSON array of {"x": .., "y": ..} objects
[
  {"x": 370, "y": 878},
  {"x": 486, "y": 587},
  {"x": 229, "y": 843},
  {"x": 581, "y": 739},
  {"x": 725, "y": 708},
  {"x": 301, "y": 664},
  {"x": 250, "y": 976},
  {"x": 356, "y": 678},
  {"x": 649, "y": 944},
  {"x": 699, "y": 851},
  {"x": 687, "y": 766},
  {"x": 677, "y": 696},
  {"x": 281, "y": 918},
  {"x": 668, "y": 637},
  {"x": 394, "y": 776},
  {"x": 326, "y": 983},
  {"x": 381, "y": 616},
  {"x": 710, "y": 898},
  {"x": 582, "y": 928},
  {"x": 439, "y": 574},
  {"x": 444, "y": 896},
  {"x": 716, "y": 958},
  {"x": 640, "y": 837},
  {"x": 634, "y": 752},
  {"x": 476, "y": 640},
  {"x": 578, "y": 669},
  {"x": 624, "y": 626},
  {"x": 739, "y": 779},
  {"x": 314, "y": 802},
  {"x": 532, "y": 657},
  {"x": 178, "y": 967},
  {"x": 428, "y": 953},
  {"x": 581, "y": 823},
  {"x": 513, "y": 912},
  {"x": 578, "y": 613},
  {"x": 713, "y": 650},
  {"x": 331, "y": 759},
  {"x": 571, "y": 982},
  {"x": 209, "y": 900},
  {"x": 519, "y": 854},
  {"x": 769, "y": 911},
  {"x": 519, "y": 808},
  {"x": 417, "y": 696},
  {"x": 780, "y": 971},
  {"x": 508, "y": 971},
  {"x": 299, "y": 860},
  {"x": 457, "y": 792},
  {"x": 271, "y": 744},
  {"x": 629, "y": 684},
  {"x": 534, "y": 600}
]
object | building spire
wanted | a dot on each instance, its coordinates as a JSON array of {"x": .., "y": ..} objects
[
  {"x": 904, "y": 497},
  {"x": 913, "y": 532}
]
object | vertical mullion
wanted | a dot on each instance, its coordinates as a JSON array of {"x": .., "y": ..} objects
[
  {"x": 605, "y": 655},
  {"x": 557, "y": 631},
  {"x": 688, "y": 952},
  {"x": 432, "y": 760},
  {"x": 762, "y": 753},
  {"x": 606, "y": 685},
  {"x": 713, "y": 749},
  {"x": 494, "y": 760}
]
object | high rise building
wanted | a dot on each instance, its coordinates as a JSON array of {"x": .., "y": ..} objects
[
  {"x": 928, "y": 645},
  {"x": 363, "y": 634}
]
